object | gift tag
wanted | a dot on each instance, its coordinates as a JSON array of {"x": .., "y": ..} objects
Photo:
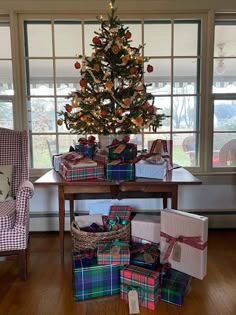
[
  {"x": 133, "y": 302},
  {"x": 120, "y": 148},
  {"x": 176, "y": 253},
  {"x": 115, "y": 250},
  {"x": 148, "y": 258}
]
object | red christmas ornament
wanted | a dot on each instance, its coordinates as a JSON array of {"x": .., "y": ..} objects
[
  {"x": 68, "y": 108},
  {"x": 128, "y": 35},
  {"x": 83, "y": 83},
  {"x": 149, "y": 68},
  {"x": 96, "y": 40},
  {"x": 77, "y": 65},
  {"x": 133, "y": 70},
  {"x": 104, "y": 113}
]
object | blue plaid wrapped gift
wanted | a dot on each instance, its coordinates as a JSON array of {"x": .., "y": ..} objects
[
  {"x": 174, "y": 285},
  {"x": 120, "y": 172},
  {"x": 85, "y": 149},
  {"x": 115, "y": 253},
  {"x": 92, "y": 281}
]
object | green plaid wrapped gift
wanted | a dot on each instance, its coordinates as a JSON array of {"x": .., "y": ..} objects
[
  {"x": 129, "y": 152},
  {"x": 174, "y": 286},
  {"x": 120, "y": 172},
  {"x": 144, "y": 281},
  {"x": 80, "y": 173},
  {"x": 115, "y": 253},
  {"x": 92, "y": 281}
]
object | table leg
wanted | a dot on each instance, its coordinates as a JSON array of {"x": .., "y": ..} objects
[
  {"x": 174, "y": 199},
  {"x": 61, "y": 201},
  {"x": 165, "y": 198}
]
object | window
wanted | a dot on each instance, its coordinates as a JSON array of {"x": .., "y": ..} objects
[
  {"x": 6, "y": 78},
  {"x": 224, "y": 93},
  {"x": 175, "y": 81}
]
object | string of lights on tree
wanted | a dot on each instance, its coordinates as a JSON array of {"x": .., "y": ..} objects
[{"x": 112, "y": 98}]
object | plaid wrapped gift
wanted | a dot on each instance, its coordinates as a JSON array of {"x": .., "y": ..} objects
[
  {"x": 144, "y": 281},
  {"x": 141, "y": 241},
  {"x": 122, "y": 171},
  {"x": 101, "y": 157},
  {"x": 80, "y": 173},
  {"x": 91, "y": 280},
  {"x": 86, "y": 149},
  {"x": 129, "y": 152},
  {"x": 120, "y": 255},
  {"x": 146, "y": 256},
  {"x": 174, "y": 285},
  {"x": 118, "y": 216}
]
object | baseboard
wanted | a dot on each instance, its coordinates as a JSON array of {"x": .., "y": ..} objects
[{"x": 48, "y": 221}]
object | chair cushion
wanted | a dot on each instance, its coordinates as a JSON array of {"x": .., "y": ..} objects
[
  {"x": 5, "y": 182},
  {"x": 7, "y": 214}
]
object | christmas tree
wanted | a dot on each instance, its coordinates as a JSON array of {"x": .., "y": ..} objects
[{"x": 112, "y": 98}]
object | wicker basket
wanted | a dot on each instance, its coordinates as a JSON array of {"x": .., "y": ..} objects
[{"x": 82, "y": 240}]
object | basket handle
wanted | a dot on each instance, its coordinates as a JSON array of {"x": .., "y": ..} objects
[{"x": 75, "y": 225}]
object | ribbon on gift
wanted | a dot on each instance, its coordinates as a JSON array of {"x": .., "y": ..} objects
[
  {"x": 117, "y": 220},
  {"x": 193, "y": 241},
  {"x": 158, "y": 145},
  {"x": 116, "y": 242},
  {"x": 86, "y": 254},
  {"x": 90, "y": 141}
]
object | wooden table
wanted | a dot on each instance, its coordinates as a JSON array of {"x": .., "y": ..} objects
[{"x": 167, "y": 187}]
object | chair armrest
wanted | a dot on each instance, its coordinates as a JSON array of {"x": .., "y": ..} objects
[{"x": 26, "y": 190}]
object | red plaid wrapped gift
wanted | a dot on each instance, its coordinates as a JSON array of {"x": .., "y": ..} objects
[
  {"x": 118, "y": 216},
  {"x": 114, "y": 253},
  {"x": 144, "y": 281},
  {"x": 80, "y": 173},
  {"x": 101, "y": 157}
]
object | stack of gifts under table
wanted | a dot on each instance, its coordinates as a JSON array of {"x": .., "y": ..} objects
[
  {"x": 153, "y": 261},
  {"x": 120, "y": 162}
]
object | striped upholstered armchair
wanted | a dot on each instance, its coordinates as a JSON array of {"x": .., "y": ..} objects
[{"x": 15, "y": 192}]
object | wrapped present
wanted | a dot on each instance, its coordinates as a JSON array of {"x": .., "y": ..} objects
[
  {"x": 115, "y": 253},
  {"x": 146, "y": 227},
  {"x": 80, "y": 173},
  {"x": 86, "y": 147},
  {"x": 183, "y": 242},
  {"x": 91, "y": 280},
  {"x": 143, "y": 168},
  {"x": 101, "y": 156},
  {"x": 144, "y": 281},
  {"x": 145, "y": 255},
  {"x": 118, "y": 216},
  {"x": 174, "y": 286},
  {"x": 56, "y": 160},
  {"x": 141, "y": 241},
  {"x": 122, "y": 149},
  {"x": 163, "y": 148},
  {"x": 120, "y": 172}
]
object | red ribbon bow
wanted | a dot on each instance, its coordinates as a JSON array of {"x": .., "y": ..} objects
[
  {"x": 194, "y": 241},
  {"x": 90, "y": 141}
]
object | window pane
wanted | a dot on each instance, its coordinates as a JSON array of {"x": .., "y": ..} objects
[
  {"x": 185, "y": 72},
  {"x": 184, "y": 113},
  {"x": 224, "y": 73},
  {"x": 41, "y": 154},
  {"x": 186, "y": 45},
  {"x": 68, "y": 39},
  {"x": 42, "y": 113},
  {"x": 38, "y": 36},
  {"x": 67, "y": 76},
  {"x": 224, "y": 115},
  {"x": 5, "y": 51},
  {"x": 6, "y": 80},
  {"x": 224, "y": 145},
  {"x": 65, "y": 141},
  {"x": 225, "y": 40},
  {"x": 89, "y": 30},
  {"x": 6, "y": 114},
  {"x": 160, "y": 78},
  {"x": 186, "y": 149},
  {"x": 161, "y": 35},
  {"x": 41, "y": 77},
  {"x": 136, "y": 31}
]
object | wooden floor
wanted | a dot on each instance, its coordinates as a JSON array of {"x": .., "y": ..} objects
[{"x": 49, "y": 287}]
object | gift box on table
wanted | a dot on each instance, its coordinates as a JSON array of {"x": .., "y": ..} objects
[
  {"x": 146, "y": 169},
  {"x": 71, "y": 174},
  {"x": 115, "y": 253},
  {"x": 144, "y": 281},
  {"x": 101, "y": 157},
  {"x": 85, "y": 149},
  {"x": 184, "y": 242},
  {"x": 56, "y": 160},
  {"x": 120, "y": 172},
  {"x": 118, "y": 216},
  {"x": 121, "y": 151},
  {"x": 145, "y": 255},
  {"x": 174, "y": 286},
  {"x": 164, "y": 148},
  {"x": 146, "y": 227},
  {"x": 92, "y": 281}
]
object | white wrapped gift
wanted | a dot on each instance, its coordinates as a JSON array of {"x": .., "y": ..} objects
[
  {"x": 56, "y": 160},
  {"x": 146, "y": 227},
  {"x": 184, "y": 242},
  {"x": 88, "y": 219},
  {"x": 148, "y": 170}
]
